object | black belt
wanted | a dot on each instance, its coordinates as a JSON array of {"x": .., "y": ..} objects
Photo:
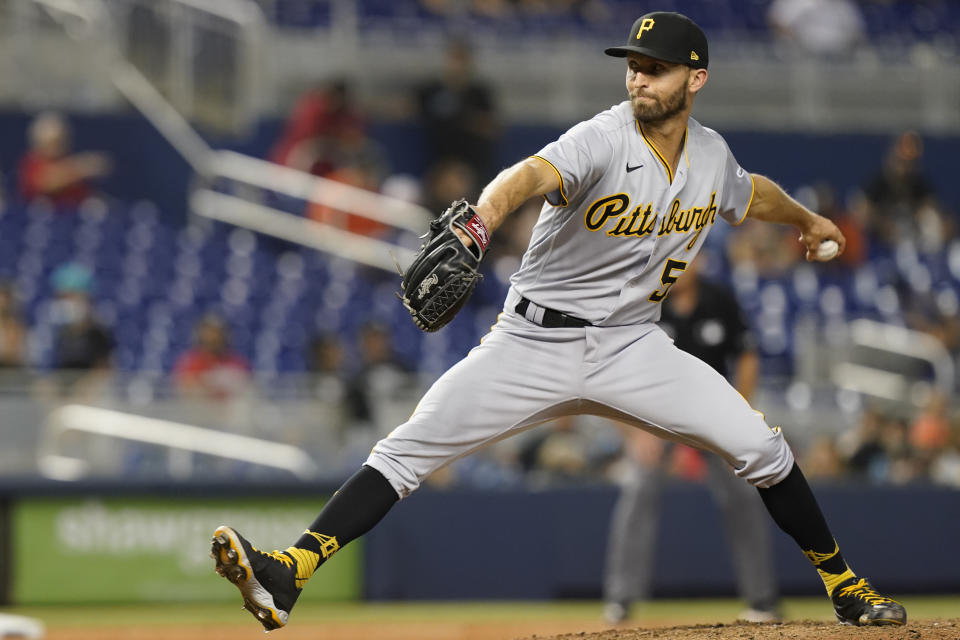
[{"x": 551, "y": 319}]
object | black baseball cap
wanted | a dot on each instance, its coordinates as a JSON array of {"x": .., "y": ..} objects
[{"x": 668, "y": 36}]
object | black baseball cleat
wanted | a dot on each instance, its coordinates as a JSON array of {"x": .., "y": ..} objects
[
  {"x": 856, "y": 603},
  {"x": 267, "y": 581}
]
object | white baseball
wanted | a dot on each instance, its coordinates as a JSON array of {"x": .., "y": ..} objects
[{"x": 828, "y": 250}]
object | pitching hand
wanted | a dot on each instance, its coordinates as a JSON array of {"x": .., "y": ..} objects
[{"x": 818, "y": 230}]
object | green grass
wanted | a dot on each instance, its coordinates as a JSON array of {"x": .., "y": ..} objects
[{"x": 674, "y": 611}]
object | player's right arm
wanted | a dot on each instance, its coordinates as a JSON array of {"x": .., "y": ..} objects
[{"x": 514, "y": 186}]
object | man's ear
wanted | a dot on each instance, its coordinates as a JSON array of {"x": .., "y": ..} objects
[{"x": 697, "y": 79}]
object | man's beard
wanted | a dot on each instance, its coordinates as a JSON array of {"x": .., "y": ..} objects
[{"x": 661, "y": 110}]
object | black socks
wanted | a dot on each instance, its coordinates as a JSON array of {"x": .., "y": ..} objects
[
  {"x": 795, "y": 510},
  {"x": 361, "y": 502}
]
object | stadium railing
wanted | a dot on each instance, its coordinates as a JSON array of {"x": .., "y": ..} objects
[{"x": 91, "y": 25}]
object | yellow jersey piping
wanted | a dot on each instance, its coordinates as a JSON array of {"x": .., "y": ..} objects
[
  {"x": 753, "y": 192},
  {"x": 659, "y": 155},
  {"x": 563, "y": 192}
]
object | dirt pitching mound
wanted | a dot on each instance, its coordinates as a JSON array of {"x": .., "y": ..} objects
[{"x": 935, "y": 629}]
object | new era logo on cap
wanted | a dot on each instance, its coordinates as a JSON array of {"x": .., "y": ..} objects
[{"x": 694, "y": 56}]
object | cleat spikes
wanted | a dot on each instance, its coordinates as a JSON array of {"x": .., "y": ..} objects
[{"x": 267, "y": 581}]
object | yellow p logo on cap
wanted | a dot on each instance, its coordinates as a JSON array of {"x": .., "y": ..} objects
[{"x": 646, "y": 25}]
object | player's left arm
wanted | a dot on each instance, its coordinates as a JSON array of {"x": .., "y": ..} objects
[{"x": 772, "y": 204}]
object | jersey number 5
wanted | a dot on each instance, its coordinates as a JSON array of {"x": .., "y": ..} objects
[{"x": 671, "y": 271}]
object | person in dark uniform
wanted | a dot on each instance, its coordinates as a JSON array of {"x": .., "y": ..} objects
[
  {"x": 704, "y": 319},
  {"x": 459, "y": 114}
]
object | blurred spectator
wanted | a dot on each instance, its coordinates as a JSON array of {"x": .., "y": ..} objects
[
  {"x": 439, "y": 7},
  {"x": 901, "y": 203},
  {"x": 822, "y": 460},
  {"x": 325, "y": 365},
  {"x": 82, "y": 349},
  {"x": 355, "y": 176},
  {"x": 557, "y": 455},
  {"x": 900, "y": 464},
  {"x": 381, "y": 377},
  {"x": 326, "y": 135},
  {"x": 930, "y": 312},
  {"x": 51, "y": 171},
  {"x": 828, "y": 28},
  {"x": 891, "y": 450},
  {"x": 81, "y": 342},
  {"x": 589, "y": 10},
  {"x": 946, "y": 468},
  {"x": 879, "y": 450},
  {"x": 568, "y": 449},
  {"x": 353, "y": 148},
  {"x": 310, "y": 137},
  {"x": 325, "y": 393},
  {"x": 495, "y": 9},
  {"x": 770, "y": 250},
  {"x": 449, "y": 180},
  {"x": 494, "y": 467},
  {"x": 458, "y": 114},
  {"x": 930, "y": 429},
  {"x": 211, "y": 369},
  {"x": 13, "y": 333},
  {"x": 861, "y": 446}
]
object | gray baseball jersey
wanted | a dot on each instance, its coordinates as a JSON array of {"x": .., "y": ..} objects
[
  {"x": 607, "y": 247},
  {"x": 621, "y": 225}
]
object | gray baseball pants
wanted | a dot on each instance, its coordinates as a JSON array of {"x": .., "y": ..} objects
[{"x": 523, "y": 374}]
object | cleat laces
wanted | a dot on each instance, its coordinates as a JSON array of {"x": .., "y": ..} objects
[{"x": 862, "y": 590}]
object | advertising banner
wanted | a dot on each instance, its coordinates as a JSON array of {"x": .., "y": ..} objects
[{"x": 154, "y": 549}]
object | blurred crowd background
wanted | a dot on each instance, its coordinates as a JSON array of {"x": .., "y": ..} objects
[{"x": 116, "y": 292}]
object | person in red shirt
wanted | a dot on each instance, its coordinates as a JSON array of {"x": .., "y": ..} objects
[
  {"x": 49, "y": 170},
  {"x": 311, "y": 136},
  {"x": 210, "y": 368}
]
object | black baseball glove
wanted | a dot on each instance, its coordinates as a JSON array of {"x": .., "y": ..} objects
[{"x": 445, "y": 270}]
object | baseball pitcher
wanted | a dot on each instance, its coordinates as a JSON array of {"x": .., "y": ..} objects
[{"x": 630, "y": 196}]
